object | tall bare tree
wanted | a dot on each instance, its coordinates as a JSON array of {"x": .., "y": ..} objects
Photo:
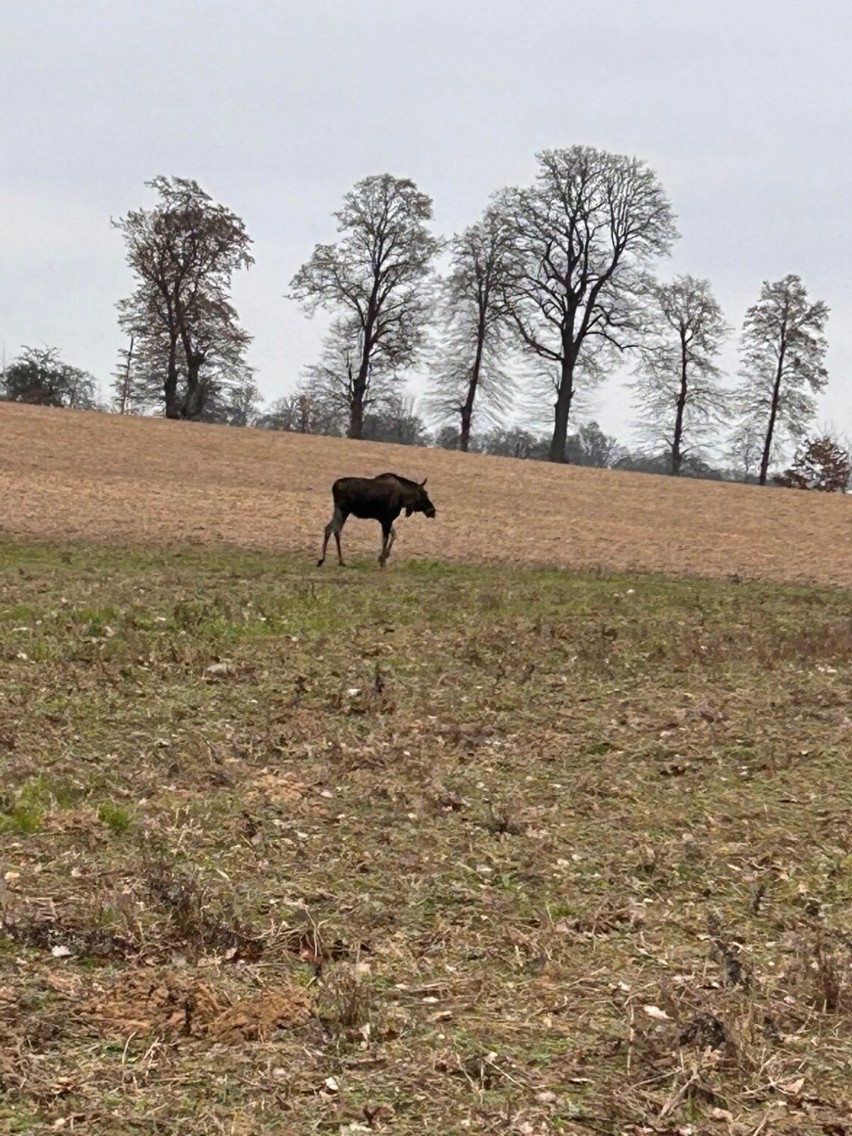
[
  {"x": 471, "y": 357},
  {"x": 581, "y": 241},
  {"x": 376, "y": 279},
  {"x": 783, "y": 350},
  {"x": 184, "y": 252},
  {"x": 677, "y": 388}
]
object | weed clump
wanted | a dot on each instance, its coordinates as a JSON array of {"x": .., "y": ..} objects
[
  {"x": 115, "y": 817},
  {"x": 199, "y": 917}
]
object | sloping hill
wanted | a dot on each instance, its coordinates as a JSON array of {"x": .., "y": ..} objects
[{"x": 67, "y": 475}]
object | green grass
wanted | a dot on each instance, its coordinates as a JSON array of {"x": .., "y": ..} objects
[
  {"x": 476, "y": 820},
  {"x": 115, "y": 817},
  {"x": 27, "y": 804}
]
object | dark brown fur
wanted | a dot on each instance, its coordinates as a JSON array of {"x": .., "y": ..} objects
[{"x": 380, "y": 499}]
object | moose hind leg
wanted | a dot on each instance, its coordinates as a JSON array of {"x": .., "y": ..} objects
[
  {"x": 387, "y": 541},
  {"x": 391, "y": 539},
  {"x": 334, "y": 526}
]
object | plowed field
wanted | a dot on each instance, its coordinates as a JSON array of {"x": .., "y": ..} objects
[{"x": 68, "y": 476}]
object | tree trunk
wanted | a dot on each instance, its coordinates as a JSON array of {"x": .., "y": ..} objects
[
  {"x": 125, "y": 386},
  {"x": 562, "y": 411},
  {"x": 464, "y": 434},
  {"x": 773, "y": 415},
  {"x": 356, "y": 415},
  {"x": 170, "y": 384},
  {"x": 677, "y": 438},
  {"x": 472, "y": 388},
  {"x": 358, "y": 389},
  {"x": 196, "y": 395}
]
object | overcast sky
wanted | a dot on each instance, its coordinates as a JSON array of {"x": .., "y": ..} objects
[{"x": 276, "y": 108}]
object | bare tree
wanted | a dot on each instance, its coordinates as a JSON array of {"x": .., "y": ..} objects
[
  {"x": 396, "y": 420},
  {"x": 233, "y": 403},
  {"x": 471, "y": 356},
  {"x": 333, "y": 381},
  {"x": 513, "y": 442},
  {"x": 303, "y": 413},
  {"x": 184, "y": 253},
  {"x": 591, "y": 447},
  {"x": 783, "y": 351},
  {"x": 678, "y": 392},
  {"x": 744, "y": 450},
  {"x": 127, "y": 396},
  {"x": 39, "y": 376},
  {"x": 376, "y": 279},
  {"x": 581, "y": 241},
  {"x": 693, "y": 466}
]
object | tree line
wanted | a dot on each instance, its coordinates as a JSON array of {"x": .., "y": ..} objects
[{"x": 527, "y": 311}]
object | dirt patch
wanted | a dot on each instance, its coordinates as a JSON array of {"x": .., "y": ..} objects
[
  {"x": 277, "y": 788},
  {"x": 83, "y": 475},
  {"x": 169, "y": 1005},
  {"x": 257, "y": 1018}
]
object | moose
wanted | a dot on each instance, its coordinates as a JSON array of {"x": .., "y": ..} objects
[{"x": 379, "y": 499}]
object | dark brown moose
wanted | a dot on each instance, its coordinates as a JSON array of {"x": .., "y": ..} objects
[{"x": 379, "y": 499}]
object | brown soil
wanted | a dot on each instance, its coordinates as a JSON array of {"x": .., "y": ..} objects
[
  {"x": 74, "y": 475},
  {"x": 145, "y": 1004}
]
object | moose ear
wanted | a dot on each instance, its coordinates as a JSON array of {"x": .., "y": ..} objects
[{"x": 423, "y": 482}]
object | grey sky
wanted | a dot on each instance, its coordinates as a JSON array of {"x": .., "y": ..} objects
[{"x": 741, "y": 106}]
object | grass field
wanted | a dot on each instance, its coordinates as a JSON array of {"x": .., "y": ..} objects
[
  {"x": 441, "y": 849},
  {"x": 453, "y": 847}
]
